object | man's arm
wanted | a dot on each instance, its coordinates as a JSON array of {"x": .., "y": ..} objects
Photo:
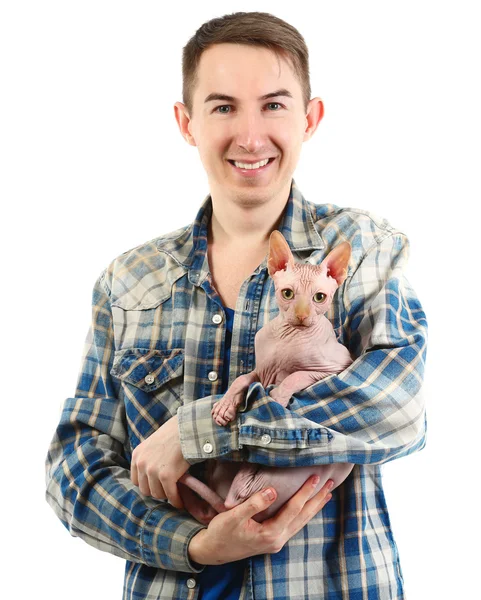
[
  {"x": 370, "y": 413},
  {"x": 88, "y": 472}
]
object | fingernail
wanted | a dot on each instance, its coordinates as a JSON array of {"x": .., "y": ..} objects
[
  {"x": 328, "y": 497},
  {"x": 315, "y": 480},
  {"x": 330, "y": 484},
  {"x": 269, "y": 493}
]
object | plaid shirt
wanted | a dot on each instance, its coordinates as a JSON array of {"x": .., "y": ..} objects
[{"x": 155, "y": 348}]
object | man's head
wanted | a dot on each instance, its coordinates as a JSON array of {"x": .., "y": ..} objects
[
  {"x": 246, "y": 99},
  {"x": 249, "y": 29}
]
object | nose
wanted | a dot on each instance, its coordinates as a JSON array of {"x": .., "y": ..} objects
[
  {"x": 250, "y": 131},
  {"x": 302, "y": 310}
]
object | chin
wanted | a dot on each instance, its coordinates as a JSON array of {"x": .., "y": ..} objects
[{"x": 252, "y": 197}]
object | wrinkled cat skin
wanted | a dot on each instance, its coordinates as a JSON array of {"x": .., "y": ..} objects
[{"x": 293, "y": 351}]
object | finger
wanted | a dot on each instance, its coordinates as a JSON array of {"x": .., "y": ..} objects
[
  {"x": 134, "y": 474},
  {"x": 310, "y": 510},
  {"x": 256, "y": 503},
  {"x": 144, "y": 484},
  {"x": 295, "y": 504},
  {"x": 173, "y": 496},
  {"x": 156, "y": 489}
]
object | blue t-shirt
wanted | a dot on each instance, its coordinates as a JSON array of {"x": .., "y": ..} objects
[{"x": 223, "y": 581}]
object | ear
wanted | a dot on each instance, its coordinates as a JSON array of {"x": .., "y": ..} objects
[
  {"x": 280, "y": 255},
  {"x": 315, "y": 112},
  {"x": 184, "y": 122},
  {"x": 336, "y": 262}
]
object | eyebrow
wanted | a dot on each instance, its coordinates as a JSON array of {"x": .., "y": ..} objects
[{"x": 281, "y": 92}]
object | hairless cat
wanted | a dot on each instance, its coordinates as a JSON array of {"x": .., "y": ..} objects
[{"x": 294, "y": 350}]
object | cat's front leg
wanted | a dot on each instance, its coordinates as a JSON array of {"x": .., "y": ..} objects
[
  {"x": 225, "y": 409},
  {"x": 295, "y": 382}
]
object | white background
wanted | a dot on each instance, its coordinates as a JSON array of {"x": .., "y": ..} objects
[{"x": 92, "y": 164}]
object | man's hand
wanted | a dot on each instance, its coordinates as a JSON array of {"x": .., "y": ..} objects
[
  {"x": 233, "y": 535},
  {"x": 158, "y": 463}
]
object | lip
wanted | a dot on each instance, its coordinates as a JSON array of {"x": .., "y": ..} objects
[{"x": 253, "y": 172}]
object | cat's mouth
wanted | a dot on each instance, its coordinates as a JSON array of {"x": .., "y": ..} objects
[{"x": 301, "y": 324}]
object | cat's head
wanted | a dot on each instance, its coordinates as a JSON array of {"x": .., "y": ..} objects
[{"x": 304, "y": 292}]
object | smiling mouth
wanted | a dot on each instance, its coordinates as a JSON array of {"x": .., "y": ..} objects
[{"x": 257, "y": 166}]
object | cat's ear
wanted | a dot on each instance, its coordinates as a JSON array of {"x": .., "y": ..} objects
[
  {"x": 280, "y": 255},
  {"x": 336, "y": 262}
]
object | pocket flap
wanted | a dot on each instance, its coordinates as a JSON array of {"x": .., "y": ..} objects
[{"x": 148, "y": 369}]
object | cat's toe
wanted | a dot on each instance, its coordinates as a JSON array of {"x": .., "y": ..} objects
[
  {"x": 230, "y": 414},
  {"x": 218, "y": 409}
]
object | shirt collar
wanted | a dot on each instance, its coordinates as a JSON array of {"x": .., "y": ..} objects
[{"x": 188, "y": 246}]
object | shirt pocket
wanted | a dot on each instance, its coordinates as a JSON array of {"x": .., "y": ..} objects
[{"x": 152, "y": 384}]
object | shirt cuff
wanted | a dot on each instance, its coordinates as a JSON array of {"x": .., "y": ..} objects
[
  {"x": 200, "y": 436},
  {"x": 166, "y": 538}
]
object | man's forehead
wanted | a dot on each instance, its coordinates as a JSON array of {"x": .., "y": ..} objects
[
  {"x": 230, "y": 51},
  {"x": 228, "y": 71}
]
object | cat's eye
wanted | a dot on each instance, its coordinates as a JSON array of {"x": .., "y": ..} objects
[
  {"x": 319, "y": 297},
  {"x": 287, "y": 294}
]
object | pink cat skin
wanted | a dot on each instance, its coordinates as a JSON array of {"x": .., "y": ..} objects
[{"x": 293, "y": 351}]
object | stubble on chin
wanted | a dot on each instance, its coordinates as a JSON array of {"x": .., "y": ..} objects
[{"x": 250, "y": 199}]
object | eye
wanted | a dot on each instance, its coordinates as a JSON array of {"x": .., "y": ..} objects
[
  {"x": 216, "y": 109},
  {"x": 319, "y": 297},
  {"x": 287, "y": 294}
]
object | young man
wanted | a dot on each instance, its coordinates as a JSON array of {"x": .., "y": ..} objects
[{"x": 174, "y": 322}]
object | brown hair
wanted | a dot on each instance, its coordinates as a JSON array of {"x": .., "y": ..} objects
[{"x": 251, "y": 29}]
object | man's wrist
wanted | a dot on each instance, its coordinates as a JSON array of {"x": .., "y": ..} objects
[{"x": 195, "y": 548}]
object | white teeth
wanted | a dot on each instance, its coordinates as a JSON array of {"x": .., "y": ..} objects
[{"x": 254, "y": 166}]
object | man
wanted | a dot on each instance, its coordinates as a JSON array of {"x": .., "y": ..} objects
[{"x": 155, "y": 359}]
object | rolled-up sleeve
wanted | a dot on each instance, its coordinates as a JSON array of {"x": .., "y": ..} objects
[{"x": 372, "y": 412}]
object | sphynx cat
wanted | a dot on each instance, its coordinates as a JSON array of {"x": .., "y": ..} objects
[{"x": 293, "y": 351}]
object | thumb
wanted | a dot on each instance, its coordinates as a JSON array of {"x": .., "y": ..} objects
[{"x": 257, "y": 503}]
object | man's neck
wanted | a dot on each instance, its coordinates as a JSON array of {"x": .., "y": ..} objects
[{"x": 234, "y": 224}]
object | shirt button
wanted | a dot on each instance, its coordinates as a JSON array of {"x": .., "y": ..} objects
[
  {"x": 212, "y": 376},
  {"x": 266, "y": 438},
  {"x": 191, "y": 583},
  {"x": 149, "y": 379},
  {"x": 217, "y": 319},
  {"x": 207, "y": 448}
]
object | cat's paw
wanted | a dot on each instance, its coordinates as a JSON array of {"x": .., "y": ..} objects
[{"x": 224, "y": 411}]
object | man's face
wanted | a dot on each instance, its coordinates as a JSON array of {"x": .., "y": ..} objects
[{"x": 263, "y": 119}]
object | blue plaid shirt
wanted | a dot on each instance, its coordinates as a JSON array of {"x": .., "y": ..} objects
[{"x": 154, "y": 349}]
